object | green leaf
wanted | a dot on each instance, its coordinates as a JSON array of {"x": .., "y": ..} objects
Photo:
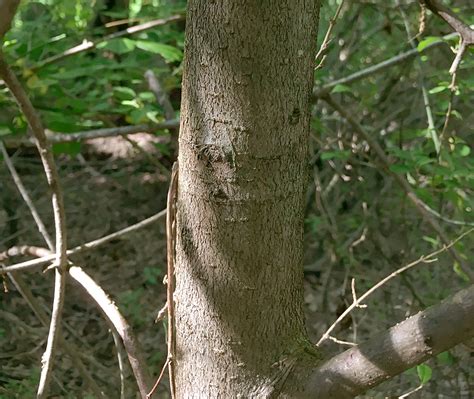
[
  {"x": 118, "y": 46},
  {"x": 67, "y": 148},
  {"x": 464, "y": 151},
  {"x": 124, "y": 93},
  {"x": 445, "y": 358},
  {"x": 424, "y": 373},
  {"x": 457, "y": 269},
  {"x": 431, "y": 240},
  {"x": 4, "y": 130},
  {"x": 438, "y": 89},
  {"x": 341, "y": 89},
  {"x": 426, "y": 42},
  {"x": 169, "y": 53},
  {"x": 400, "y": 168},
  {"x": 132, "y": 103}
]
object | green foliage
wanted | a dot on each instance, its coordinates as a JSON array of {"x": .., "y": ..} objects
[
  {"x": 19, "y": 389},
  {"x": 152, "y": 275},
  {"x": 101, "y": 87},
  {"x": 424, "y": 373},
  {"x": 130, "y": 303}
]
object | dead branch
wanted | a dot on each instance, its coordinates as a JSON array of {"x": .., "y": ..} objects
[
  {"x": 57, "y": 137},
  {"x": 121, "y": 325}
]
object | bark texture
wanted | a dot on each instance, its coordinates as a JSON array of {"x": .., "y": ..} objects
[{"x": 248, "y": 75}]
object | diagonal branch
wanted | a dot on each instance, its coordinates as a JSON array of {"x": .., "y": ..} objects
[
  {"x": 405, "y": 345},
  {"x": 44, "y": 259},
  {"x": 451, "y": 19},
  {"x": 465, "y": 31},
  {"x": 88, "y": 45}
]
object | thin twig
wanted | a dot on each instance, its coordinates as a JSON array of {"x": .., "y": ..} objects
[
  {"x": 357, "y": 302},
  {"x": 447, "y": 117},
  {"x": 58, "y": 137},
  {"x": 424, "y": 91},
  {"x": 87, "y": 44},
  {"x": 325, "y": 44},
  {"x": 87, "y": 246},
  {"x": 419, "y": 204},
  {"x": 373, "y": 69},
  {"x": 49, "y": 166},
  {"x": 158, "y": 380},
  {"x": 26, "y": 197},
  {"x": 68, "y": 347},
  {"x": 171, "y": 250}
]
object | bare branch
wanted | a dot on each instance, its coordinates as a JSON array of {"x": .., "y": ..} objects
[
  {"x": 87, "y": 246},
  {"x": 120, "y": 355},
  {"x": 389, "y": 353},
  {"x": 41, "y": 315},
  {"x": 373, "y": 69},
  {"x": 7, "y": 12},
  {"x": 357, "y": 301},
  {"x": 160, "y": 94},
  {"x": 26, "y": 197},
  {"x": 465, "y": 31},
  {"x": 59, "y": 218},
  {"x": 122, "y": 327},
  {"x": 57, "y": 137},
  {"x": 87, "y": 44},
  {"x": 385, "y": 161},
  {"x": 325, "y": 44}
]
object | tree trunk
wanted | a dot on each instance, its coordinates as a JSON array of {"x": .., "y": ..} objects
[{"x": 248, "y": 74}]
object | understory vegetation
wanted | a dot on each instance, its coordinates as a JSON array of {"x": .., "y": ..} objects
[{"x": 380, "y": 136}]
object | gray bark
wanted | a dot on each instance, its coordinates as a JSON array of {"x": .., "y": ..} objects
[{"x": 243, "y": 144}]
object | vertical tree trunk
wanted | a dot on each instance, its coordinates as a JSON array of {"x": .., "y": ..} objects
[{"x": 248, "y": 75}]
